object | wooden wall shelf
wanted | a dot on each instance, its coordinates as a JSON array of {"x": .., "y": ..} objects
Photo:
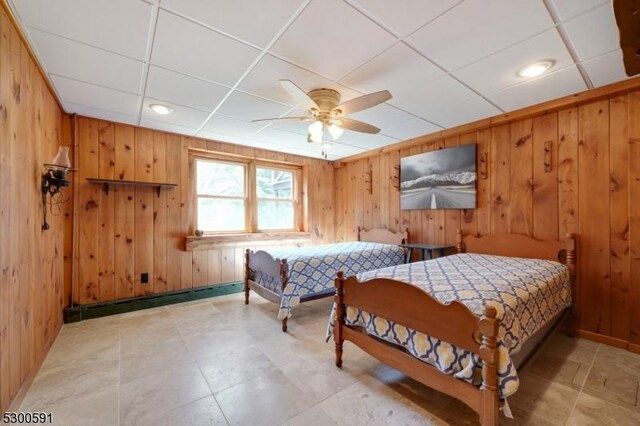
[{"x": 107, "y": 182}]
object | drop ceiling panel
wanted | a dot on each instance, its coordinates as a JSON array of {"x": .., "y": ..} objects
[
  {"x": 606, "y": 69},
  {"x": 247, "y": 107},
  {"x": 280, "y": 138},
  {"x": 181, "y": 45},
  {"x": 362, "y": 140},
  {"x": 567, "y": 9},
  {"x": 411, "y": 129},
  {"x": 181, "y": 115},
  {"x": 81, "y": 62},
  {"x": 78, "y": 92},
  {"x": 477, "y": 28},
  {"x": 88, "y": 111},
  {"x": 382, "y": 116},
  {"x": 263, "y": 80},
  {"x": 431, "y": 101},
  {"x": 466, "y": 112},
  {"x": 593, "y": 33},
  {"x": 180, "y": 89},
  {"x": 167, "y": 127},
  {"x": 231, "y": 126},
  {"x": 256, "y": 22},
  {"x": 399, "y": 70},
  {"x": 403, "y": 18},
  {"x": 555, "y": 85},
  {"x": 116, "y": 25},
  {"x": 340, "y": 150},
  {"x": 500, "y": 70},
  {"x": 332, "y": 38}
]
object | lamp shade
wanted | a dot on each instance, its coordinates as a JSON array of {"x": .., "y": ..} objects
[
  {"x": 62, "y": 158},
  {"x": 316, "y": 129},
  {"x": 335, "y": 131}
]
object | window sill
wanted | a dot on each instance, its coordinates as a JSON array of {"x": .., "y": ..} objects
[{"x": 207, "y": 242}]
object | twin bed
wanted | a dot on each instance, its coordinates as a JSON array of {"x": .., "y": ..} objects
[{"x": 460, "y": 324}]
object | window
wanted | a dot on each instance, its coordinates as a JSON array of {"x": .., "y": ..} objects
[
  {"x": 221, "y": 194},
  {"x": 275, "y": 199},
  {"x": 242, "y": 195}
]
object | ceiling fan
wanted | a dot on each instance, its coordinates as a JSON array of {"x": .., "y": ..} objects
[{"x": 327, "y": 113}]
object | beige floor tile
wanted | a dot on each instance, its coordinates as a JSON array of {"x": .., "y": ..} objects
[
  {"x": 578, "y": 350},
  {"x": 268, "y": 399},
  {"x": 592, "y": 411},
  {"x": 543, "y": 398},
  {"x": 557, "y": 369},
  {"x": 613, "y": 385},
  {"x": 152, "y": 359},
  {"x": 199, "y": 310},
  {"x": 152, "y": 397},
  {"x": 148, "y": 338},
  {"x": 209, "y": 341},
  {"x": 203, "y": 412},
  {"x": 58, "y": 386},
  {"x": 231, "y": 368},
  {"x": 314, "y": 416},
  {"x": 94, "y": 408},
  {"x": 618, "y": 360},
  {"x": 370, "y": 402}
]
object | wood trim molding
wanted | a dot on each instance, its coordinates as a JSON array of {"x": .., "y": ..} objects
[
  {"x": 16, "y": 23},
  {"x": 207, "y": 242},
  {"x": 531, "y": 111},
  {"x": 607, "y": 340}
]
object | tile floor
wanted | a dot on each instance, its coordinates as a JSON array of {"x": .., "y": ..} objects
[{"x": 218, "y": 362}]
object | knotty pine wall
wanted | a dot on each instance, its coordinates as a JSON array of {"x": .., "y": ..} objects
[
  {"x": 593, "y": 190},
  {"x": 133, "y": 230},
  {"x": 31, "y": 260}
]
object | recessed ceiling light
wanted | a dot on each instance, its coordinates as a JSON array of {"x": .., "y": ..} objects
[
  {"x": 160, "y": 109},
  {"x": 535, "y": 69}
]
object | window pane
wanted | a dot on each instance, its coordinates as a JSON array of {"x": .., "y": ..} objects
[
  {"x": 220, "y": 214},
  {"x": 219, "y": 178},
  {"x": 275, "y": 215},
  {"x": 275, "y": 183}
]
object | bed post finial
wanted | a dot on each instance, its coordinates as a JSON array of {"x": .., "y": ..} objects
[
  {"x": 489, "y": 355},
  {"x": 338, "y": 321},
  {"x": 459, "y": 244},
  {"x": 284, "y": 278},
  {"x": 570, "y": 262},
  {"x": 406, "y": 235},
  {"x": 246, "y": 276}
]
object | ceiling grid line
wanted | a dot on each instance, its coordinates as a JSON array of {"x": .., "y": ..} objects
[
  {"x": 553, "y": 12},
  {"x": 282, "y": 30},
  {"x": 147, "y": 57}
]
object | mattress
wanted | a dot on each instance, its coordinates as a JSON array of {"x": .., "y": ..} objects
[
  {"x": 527, "y": 294},
  {"x": 313, "y": 270}
]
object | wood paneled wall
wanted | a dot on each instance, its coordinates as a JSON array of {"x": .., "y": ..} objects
[
  {"x": 128, "y": 231},
  {"x": 31, "y": 260},
  {"x": 593, "y": 189}
]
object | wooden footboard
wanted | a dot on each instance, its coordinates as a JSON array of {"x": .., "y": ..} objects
[
  {"x": 414, "y": 308},
  {"x": 276, "y": 269}
]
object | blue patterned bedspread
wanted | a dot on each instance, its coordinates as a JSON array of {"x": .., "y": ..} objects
[
  {"x": 527, "y": 293},
  {"x": 312, "y": 270}
]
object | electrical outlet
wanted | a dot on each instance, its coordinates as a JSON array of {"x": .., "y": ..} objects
[{"x": 144, "y": 277}]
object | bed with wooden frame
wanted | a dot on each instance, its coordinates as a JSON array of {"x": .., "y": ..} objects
[
  {"x": 269, "y": 275},
  {"x": 453, "y": 323}
]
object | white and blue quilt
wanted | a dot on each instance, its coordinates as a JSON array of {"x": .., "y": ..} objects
[
  {"x": 313, "y": 270},
  {"x": 527, "y": 294}
]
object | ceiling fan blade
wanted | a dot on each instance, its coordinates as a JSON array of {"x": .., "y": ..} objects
[
  {"x": 298, "y": 94},
  {"x": 357, "y": 126},
  {"x": 282, "y": 119},
  {"x": 363, "y": 102}
]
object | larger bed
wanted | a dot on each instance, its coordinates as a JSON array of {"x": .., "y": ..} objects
[
  {"x": 465, "y": 315},
  {"x": 292, "y": 276}
]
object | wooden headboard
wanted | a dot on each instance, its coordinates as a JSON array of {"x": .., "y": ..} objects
[
  {"x": 384, "y": 236},
  {"x": 517, "y": 245}
]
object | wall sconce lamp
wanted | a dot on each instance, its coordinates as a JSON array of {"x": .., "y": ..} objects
[{"x": 54, "y": 180}]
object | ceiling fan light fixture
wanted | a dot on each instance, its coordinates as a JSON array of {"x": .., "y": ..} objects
[
  {"x": 535, "y": 69},
  {"x": 316, "y": 129},
  {"x": 313, "y": 139},
  {"x": 335, "y": 131},
  {"x": 160, "y": 109}
]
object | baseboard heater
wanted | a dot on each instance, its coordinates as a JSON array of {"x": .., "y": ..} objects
[{"x": 103, "y": 309}]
